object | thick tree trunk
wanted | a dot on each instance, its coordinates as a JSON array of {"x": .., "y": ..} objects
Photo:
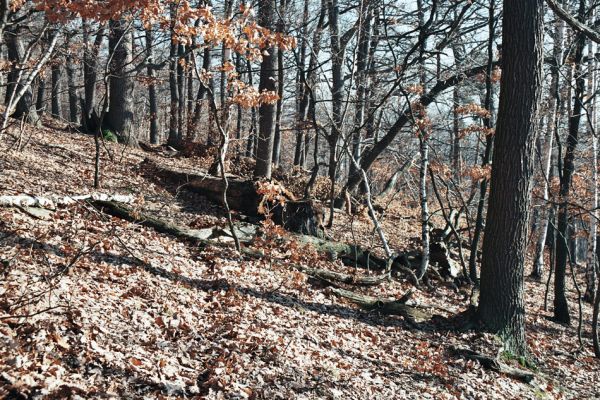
[
  {"x": 174, "y": 135},
  {"x": 201, "y": 95},
  {"x": 501, "y": 306},
  {"x": 337, "y": 97},
  {"x": 119, "y": 117},
  {"x": 266, "y": 112},
  {"x": 40, "y": 96},
  {"x": 56, "y": 90}
]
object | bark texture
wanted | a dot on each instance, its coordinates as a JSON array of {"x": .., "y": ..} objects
[
  {"x": 266, "y": 112},
  {"x": 119, "y": 117},
  {"x": 501, "y": 306}
]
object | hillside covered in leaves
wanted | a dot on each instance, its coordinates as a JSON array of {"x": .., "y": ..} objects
[{"x": 95, "y": 306}]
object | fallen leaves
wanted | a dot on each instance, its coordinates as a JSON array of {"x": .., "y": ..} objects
[{"x": 145, "y": 315}]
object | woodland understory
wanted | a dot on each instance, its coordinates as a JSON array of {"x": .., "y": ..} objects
[
  {"x": 98, "y": 307},
  {"x": 299, "y": 199}
]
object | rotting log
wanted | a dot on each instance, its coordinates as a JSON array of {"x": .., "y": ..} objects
[
  {"x": 413, "y": 314},
  {"x": 241, "y": 194},
  {"x": 350, "y": 254},
  {"x": 215, "y": 236},
  {"x": 441, "y": 255},
  {"x": 299, "y": 216},
  {"x": 50, "y": 202},
  {"x": 245, "y": 234}
]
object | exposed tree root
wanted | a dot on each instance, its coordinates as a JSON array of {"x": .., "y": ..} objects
[{"x": 493, "y": 364}]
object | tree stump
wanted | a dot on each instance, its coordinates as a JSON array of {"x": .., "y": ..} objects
[{"x": 302, "y": 216}]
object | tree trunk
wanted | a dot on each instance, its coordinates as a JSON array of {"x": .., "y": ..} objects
[
  {"x": 592, "y": 261},
  {"x": 56, "y": 90},
  {"x": 364, "y": 40},
  {"x": 90, "y": 73},
  {"x": 181, "y": 96},
  {"x": 119, "y": 117},
  {"x": 307, "y": 80},
  {"x": 225, "y": 56},
  {"x": 201, "y": 95},
  {"x": 302, "y": 96},
  {"x": 561, "y": 307},
  {"x": 423, "y": 134},
  {"x": 25, "y": 106},
  {"x": 455, "y": 148},
  {"x": 266, "y": 111},
  {"x": 40, "y": 97},
  {"x": 489, "y": 142},
  {"x": 554, "y": 105},
  {"x": 280, "y": 85},
  {"x": 501, "y": 306},
  {"x": 71, "y": 76},
  {"x": 252, "y": 133},
  {"x": 154, "y": 134},
  {"x": 337, "y": 98},
  {"x": 174, "y": 135}
]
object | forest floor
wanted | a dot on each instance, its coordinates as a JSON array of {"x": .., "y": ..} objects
[{"x": 97, "y": 307}]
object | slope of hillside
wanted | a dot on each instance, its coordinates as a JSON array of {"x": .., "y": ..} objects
[{"x": 92, "y": 306}]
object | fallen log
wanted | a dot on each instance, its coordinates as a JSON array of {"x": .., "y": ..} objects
[
  {"x": 245, "y": 232},
  {"x": 51, "y": 202},
  {"x": 349, "y": 254},
  {"x": 493, "y": 364},
  {"x": 413, "y": 314},
  {"x": 253, "y": 198}
]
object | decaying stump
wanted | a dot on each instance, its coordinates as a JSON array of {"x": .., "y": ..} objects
[
  {"x": 247, "y": 197},
  {"x": 302, "y": 216},
  {"x": 440, "y": 254}
]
